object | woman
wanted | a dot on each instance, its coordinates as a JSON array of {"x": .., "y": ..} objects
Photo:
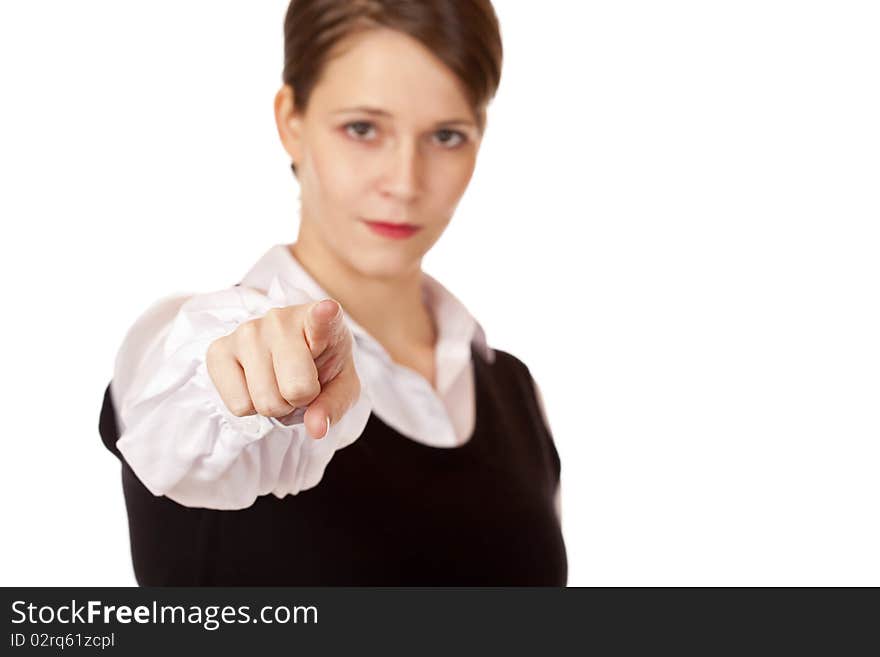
[{"x": 399, "y": 448}]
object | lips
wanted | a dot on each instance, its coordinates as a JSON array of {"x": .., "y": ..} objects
[
  {"x": 391, "y": 229},
  {"x": 394, "y": 224}
]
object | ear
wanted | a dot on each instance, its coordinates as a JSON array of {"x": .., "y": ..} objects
[{"x": 288, "y": 120}]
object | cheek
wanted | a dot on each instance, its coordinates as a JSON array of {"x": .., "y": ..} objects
[
  {"x": 337, "y": 175},
  {"x": 450, "y": 179}
]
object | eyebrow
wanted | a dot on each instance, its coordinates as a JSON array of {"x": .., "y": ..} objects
[{"x": 380, "y": 112}]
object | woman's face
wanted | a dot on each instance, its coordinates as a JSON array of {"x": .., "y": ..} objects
[{"x": 388, "y": 135}]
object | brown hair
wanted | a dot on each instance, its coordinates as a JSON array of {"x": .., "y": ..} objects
[{"x": 463, "y": 34}]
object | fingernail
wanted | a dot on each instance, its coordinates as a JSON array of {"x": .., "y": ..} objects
[
  {"x": 326, "y": 432},
  {"x": 329, "y": 301}
]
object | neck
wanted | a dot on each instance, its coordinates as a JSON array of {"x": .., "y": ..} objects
[{"x": 390, "y": 309}]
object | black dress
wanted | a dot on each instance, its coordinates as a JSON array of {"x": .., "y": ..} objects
[{"x": 388, "y": 511}]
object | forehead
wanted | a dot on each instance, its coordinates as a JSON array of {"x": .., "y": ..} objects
[{"x": 388, "y": 69}]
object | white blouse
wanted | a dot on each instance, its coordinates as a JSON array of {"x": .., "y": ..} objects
[{"x": 180, "y": 439}]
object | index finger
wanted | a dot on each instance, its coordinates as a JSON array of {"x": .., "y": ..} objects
[{"x": 323, "y": 326}]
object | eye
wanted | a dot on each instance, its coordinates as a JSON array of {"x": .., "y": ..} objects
[
  {"x": 360, "y": 129},
  {"x": 448, "y": 137}
]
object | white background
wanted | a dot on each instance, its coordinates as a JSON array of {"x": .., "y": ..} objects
[{"x": 673, "y": 222}]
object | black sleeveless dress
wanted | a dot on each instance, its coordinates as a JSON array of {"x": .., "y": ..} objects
[{"x": 389, "y": 511}]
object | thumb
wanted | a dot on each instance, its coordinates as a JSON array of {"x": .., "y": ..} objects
[{"x": 322, "y": 325}]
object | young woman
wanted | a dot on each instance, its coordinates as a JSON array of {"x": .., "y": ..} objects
[{"x": 337, "y": 417}]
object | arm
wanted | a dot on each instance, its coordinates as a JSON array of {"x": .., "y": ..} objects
[
  {"x": 558, "y": 499},
  {"x": 558, "y": 503},
  {"x": 176, "y": 432}
]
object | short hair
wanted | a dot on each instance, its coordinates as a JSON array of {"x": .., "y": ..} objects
[{"x": 463, "y": 34}]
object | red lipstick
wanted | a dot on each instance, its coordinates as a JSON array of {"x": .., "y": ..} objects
[{"x": 394, "y": 231}]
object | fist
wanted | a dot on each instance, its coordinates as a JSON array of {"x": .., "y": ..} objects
[{"x": 289, "y": 358}]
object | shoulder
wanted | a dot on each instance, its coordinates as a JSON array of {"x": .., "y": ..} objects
[
  {"x": 509, "y": 376},
  {"x": 508, "y": 367},
  {"x": 514, "y": 383},
  {"x": 505, "y": 361}
]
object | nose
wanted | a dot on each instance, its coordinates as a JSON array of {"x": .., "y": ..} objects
[{"x": 402, "y": 178}]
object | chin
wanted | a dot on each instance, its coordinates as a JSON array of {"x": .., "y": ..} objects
[{"x": 385, "y": 263}]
